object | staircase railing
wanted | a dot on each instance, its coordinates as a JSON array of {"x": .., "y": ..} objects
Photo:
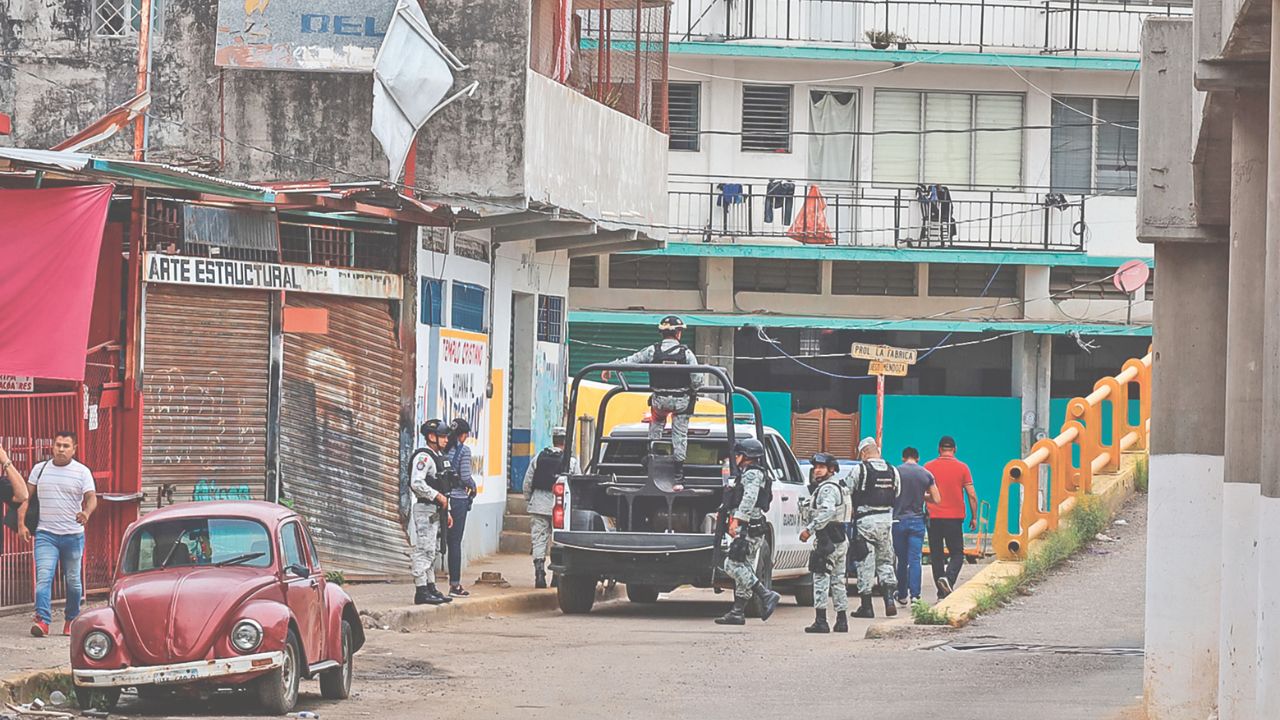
[{"x": 1059, "y": 471}]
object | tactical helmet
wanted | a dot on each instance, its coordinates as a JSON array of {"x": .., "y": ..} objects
[
  {"x": 459, "y": 426},
  {"x": 671, "y": 323},
  {"x": 432, "y": 427},
  {"x": 750, "y": 448},
  {"x": 821, "y": 458},
  {"x": 558, "y": 433}
]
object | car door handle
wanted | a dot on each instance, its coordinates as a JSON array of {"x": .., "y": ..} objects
[
  {"x": 314, "y": 583},
  {"x": 784, "y": 497}
]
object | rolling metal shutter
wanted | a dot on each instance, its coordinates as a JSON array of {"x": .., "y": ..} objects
[
  {"x": 340, "y": 436},
  {"x": 205, "y": 386}
]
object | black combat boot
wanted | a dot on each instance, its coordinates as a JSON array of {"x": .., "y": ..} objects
[
  {"x": 679, "y": 472},
  {"x": 767, "y": 598},
  {"x": 842, "y": 622},
  {"x": 435, "y": 597},
  {"x": 555, "y": 580},
  {"x": 889, "y": 608},
  {"x": 866, "y": 610},
  {"x": 421, "y": 595},
  {"x": 539, "y": 574},
  {"x": 819, "y": 623},
  {"x": 736, "y": 616}
]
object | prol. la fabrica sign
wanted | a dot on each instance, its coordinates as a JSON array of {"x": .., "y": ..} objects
[{"x": 214, "y": 272}]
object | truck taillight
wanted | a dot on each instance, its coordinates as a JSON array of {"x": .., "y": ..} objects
[{"x": 557, "y": 512}]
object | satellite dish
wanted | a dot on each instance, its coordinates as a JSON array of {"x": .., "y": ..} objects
[{"x": 1131, "y": 276}]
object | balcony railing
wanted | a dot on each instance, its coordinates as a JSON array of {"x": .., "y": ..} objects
[
  {"x": 1049, "y": 26},
  {"x": 893, "y": 217}
]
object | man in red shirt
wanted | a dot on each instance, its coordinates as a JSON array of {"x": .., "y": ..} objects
[{"x": 946, "y": 517}]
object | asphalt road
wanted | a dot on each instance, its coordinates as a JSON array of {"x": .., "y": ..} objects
[{"x": 670, "y": 660}]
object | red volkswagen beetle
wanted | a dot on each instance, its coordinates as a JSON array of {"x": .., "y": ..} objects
[{"x": 215, "y": 595}]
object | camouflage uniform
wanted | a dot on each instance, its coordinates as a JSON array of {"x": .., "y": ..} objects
[
  {"x": 875, "y": 527},
  {"x": 539, "y": 504},
  {"x": 676, "y": 406},
  {"x": 426, "y": 521},
  {"x": 826, "y": 506},
  {"x": 744, "y": 573}
]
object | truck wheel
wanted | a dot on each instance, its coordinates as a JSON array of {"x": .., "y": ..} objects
[
  {"x": 642, "y": 593},
  {"x": 335, "y": 684},
  {"x": 576, "y": 594},
  {"x": 804, "y": 592},
  {"x": 278, "y": 689},
  {"x": 764, "y": 573},
  {"x": 104, "y": 699}
]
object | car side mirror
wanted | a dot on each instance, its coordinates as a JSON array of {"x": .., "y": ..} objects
[{"x": 301, "y": 571}]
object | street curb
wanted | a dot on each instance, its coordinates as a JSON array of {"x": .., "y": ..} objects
[
  {"x": 422, "y": 617},
  {"x": 24, "y": 687},
  {"x": 1112, "y": 490}
]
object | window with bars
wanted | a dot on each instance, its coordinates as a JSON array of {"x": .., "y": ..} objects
[
  {"x": 468, "y": 309},
  {"x": 766, "y": 118},
  {"x": 684, "y": 116},
  {"x": 584, "y": 272},
  {"x": 432, "y": 301},
  {"x": 810, "y": 341},
  {"x": 550, "y": 318},
  {"x": 654, "y": 272},
  {"x": 1083, "y": 282},
  {"x": 971, "y": 280},
  {"x": 948, "y": 152},
  {"x": 776, "y": 275},
  {"x": 337, "y": 246},
  {"x": 873, "y": 278},
  {"x": 1091, "y": 155},
  {"x": 123, "y": 18}
]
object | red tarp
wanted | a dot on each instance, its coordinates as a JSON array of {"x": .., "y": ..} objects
[
  {"x": 810, "y": 226},
  {"x": 49, "y": 242}
]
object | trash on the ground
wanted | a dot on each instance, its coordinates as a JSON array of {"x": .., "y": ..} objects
[
  {"x": 33, "y": 710},
  {"x": 1104, "y": 537},
  {"x": 1121, "y": 522},
  {"x": 492, "y": 577},
  {"x": 303, "y": 714},
  {"x": 57, "y": 698}
]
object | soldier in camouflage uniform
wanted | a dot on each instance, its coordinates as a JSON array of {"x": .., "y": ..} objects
[
  {"x": 875, "y": 485},
  {"x": 539, "y": 499},
  {"x": 674, "y": 393},
  {"x": 824, "y": 516},
  {"x": 429, "y": 483},
  {"x": 746, "y": 503}
]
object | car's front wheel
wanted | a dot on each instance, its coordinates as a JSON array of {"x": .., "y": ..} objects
[
  {"x": 278, "y": 689},
  {"x": 103, "y": 699},
  {"x": 335, "y": 684}
]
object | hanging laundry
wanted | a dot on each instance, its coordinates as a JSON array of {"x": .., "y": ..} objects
[
  {"x": 730, "y": 194},
  {"x": 938, "y": 221},
  {"x": 810, "y": 226},
  {"x": 779, "y": 194}
]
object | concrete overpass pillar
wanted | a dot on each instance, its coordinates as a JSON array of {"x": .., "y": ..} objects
[
  {"x": 1032, "y": 367},
  {"x": 1184, "y": 528},
  {"x": 1268, "y": 692},
  {"x": 1244, "y": 386}
]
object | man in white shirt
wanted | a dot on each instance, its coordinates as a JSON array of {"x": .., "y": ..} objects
[{"x": 67, "y": 496}]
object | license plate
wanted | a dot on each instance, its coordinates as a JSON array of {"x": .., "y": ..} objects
[{"x": 172, "y": 676}]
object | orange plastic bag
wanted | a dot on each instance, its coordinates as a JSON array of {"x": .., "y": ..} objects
[{"x": 810, "y": 226}]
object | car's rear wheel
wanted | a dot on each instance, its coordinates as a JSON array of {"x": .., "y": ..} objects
[
  {"x": 804, "y": 591},
  {"x": 335, "y": 684},
  {"x": 576, "y": 594},
  {"x": 97, "y": 699},
  {"x": 642, "y": 593},
  {"x": 278, "y": 689},
  {"x": 764, "y": 573}
]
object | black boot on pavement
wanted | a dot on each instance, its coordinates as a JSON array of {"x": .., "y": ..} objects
[
  {"x": 539, "y": 574},
  {"x": 736, "y": 616},
  {"x": 867, "y": 610},
  {"x": 437, "y": 597},
  {"x": 768, "y": 600},
  {"x": 889, "y": 608},
  {"x": 819, "y": 623},
  {"x": 842, "y": 622},
  {"x": 420, "y": 595}
]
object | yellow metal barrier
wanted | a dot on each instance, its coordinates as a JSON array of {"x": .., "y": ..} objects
[{"x": 1063, "y": 467}]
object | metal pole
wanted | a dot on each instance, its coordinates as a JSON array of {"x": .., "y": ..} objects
[
  {"x": 880, "y": 411},
  {"x": 144, "y": 80},
  {"x": 982, "y": 25},
  {"x": 635, "y": 59}
]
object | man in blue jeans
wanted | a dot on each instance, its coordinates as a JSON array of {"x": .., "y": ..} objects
[
  {"x": 67, "y": 496},
  {"x": 908, "y": 523},
  {"x": 460, "y": 498}
]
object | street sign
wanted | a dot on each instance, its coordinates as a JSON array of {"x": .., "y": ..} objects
[
  {"x": 866, "y": 351},
  {"x": 881, "y": 367},
  {"x": 16, "y": 383}
]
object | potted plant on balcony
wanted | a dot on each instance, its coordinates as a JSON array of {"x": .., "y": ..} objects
[{"x": 882, "y": 39}]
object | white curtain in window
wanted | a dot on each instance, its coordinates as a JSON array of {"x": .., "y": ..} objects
[
  {"x": 896, "y": 158},
  {"x": 831, "y": 157},
  {"x": 947, "y": 156},
  {"x": 998, "y": 155}
]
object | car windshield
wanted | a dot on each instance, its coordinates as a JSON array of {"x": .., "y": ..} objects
[{"x": 197, "y": 541}]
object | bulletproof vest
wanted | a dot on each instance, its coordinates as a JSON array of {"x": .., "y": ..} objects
[
  {"x": 844, "y": 513},
  {"x": 763, "y": 500},
  {"x": 545, "y": 468},
  {"x": 444, "y": 478},
  {"x": 669, "y": 380},
  {"x": 877, "y": 486}
]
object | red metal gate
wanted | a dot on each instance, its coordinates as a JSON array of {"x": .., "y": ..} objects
[{"x": 27, "y": 427}]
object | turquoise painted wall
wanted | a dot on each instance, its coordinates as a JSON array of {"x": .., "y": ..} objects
[
  {"x": 986, "y": 430},
  {"x": 776, "y": 407}
]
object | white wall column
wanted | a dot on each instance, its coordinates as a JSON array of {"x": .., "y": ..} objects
[
  {"x": 1243, "y": 444},
  {"x": 1032, "y": 370}
]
